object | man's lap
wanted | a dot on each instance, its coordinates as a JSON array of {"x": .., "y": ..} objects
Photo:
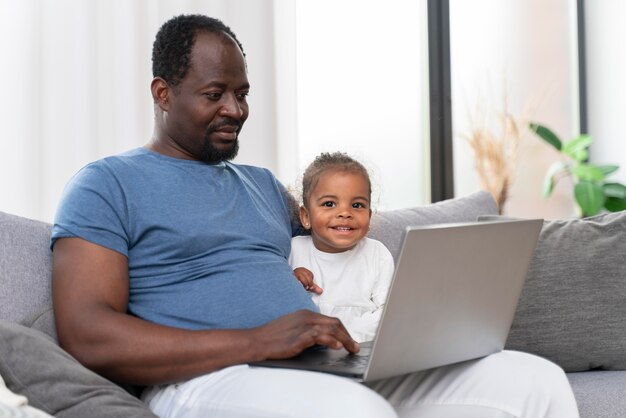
[
  {"x": 247, "y": 392},
  {"x": 501, "y": 385}
]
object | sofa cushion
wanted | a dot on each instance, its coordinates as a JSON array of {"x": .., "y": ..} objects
[
  {"x": 389, "y": 226},
  {"x": 42, "y": 320},
  {"x": 32, "y": 365},
  {"x": 25, "y": 267},
  {"x": 573, "y": 305},
  {"x": 599, "y": 393}
]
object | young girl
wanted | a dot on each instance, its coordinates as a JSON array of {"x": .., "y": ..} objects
[{"x": 348, "y": 273}]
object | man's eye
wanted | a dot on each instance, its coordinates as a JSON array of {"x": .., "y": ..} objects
[
  {"x": 329, "y": 204},
  {"x": 242, "y": 96},
  {"x": 213, "y": 96}
]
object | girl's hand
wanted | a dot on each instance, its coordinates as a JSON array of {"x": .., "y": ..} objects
[{"x": 305, "y": 277}]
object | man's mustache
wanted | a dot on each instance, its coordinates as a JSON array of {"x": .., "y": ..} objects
[{"x": 226, "y": 122}]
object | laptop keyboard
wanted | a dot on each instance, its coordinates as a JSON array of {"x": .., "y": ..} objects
[{"x": 348, "y": 361}]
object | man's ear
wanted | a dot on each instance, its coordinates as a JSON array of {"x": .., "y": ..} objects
[
  {"x": 304, "y": 218},
  {"x": 160, "y": 93}
]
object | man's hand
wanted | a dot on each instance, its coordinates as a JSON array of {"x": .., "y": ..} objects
[
  {"x": 287, "y": 336},
  {"x": 305, "y": 277}
]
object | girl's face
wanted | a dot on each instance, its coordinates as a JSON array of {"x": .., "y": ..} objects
[{"x": 338, "y": 211}]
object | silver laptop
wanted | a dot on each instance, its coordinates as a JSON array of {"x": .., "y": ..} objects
[{"x": 453, "y": 296}]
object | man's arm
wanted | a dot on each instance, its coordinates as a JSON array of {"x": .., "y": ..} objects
[{"x": 90, "y": 287}]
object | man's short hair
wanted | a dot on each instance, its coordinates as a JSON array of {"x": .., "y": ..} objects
[{"x": 171, "y": 51}]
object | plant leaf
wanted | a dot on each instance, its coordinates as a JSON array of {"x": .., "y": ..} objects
[
  {"x": 589, "y": 196},
  {"x": 608, "y": 169},
  {"x": 617, "y": 190},
  {"x": 549, "y": 182},
  {"x": 548, "y": 186},
  {"x": 575, "y": 147},
  {"x": 588, "y": 172},
  {"x": 547, "y": 135},
  {"x": 614, "y": 204},
  {"x": 580, "y": 155}
]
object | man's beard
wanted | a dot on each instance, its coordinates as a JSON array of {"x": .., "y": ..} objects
[{"x": 210, "y": 154}]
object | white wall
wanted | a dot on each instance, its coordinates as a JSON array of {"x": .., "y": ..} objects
[{"x": 606, "y": 82}]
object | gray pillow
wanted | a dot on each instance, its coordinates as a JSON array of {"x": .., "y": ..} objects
[
  {"x": 573, "y": 305},
  {"x": 22, "y": 411},
  {"x": 25, "y": 266},
  {"x": 43, "y": 320},
  {"x": 389, "y": 226},
  {"x": 32, "y": 365}
]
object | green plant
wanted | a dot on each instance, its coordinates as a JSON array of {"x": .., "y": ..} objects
[{"x": 592, "y": 191}]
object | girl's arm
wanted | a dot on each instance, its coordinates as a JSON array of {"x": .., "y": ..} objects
[{"x": 363, "y": 328}]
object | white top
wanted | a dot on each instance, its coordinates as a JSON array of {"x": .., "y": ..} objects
[{"x": 355, "y": 282}]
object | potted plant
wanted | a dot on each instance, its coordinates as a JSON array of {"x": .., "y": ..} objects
[{"x": 592, "y": 191}]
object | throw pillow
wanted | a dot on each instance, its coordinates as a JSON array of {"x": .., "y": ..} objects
[
  {"x": 573, "y": 305},
  {"x": 14, "y": 405},
  {"x": 32, "y": 365},
  {"x": 42, "y": 320},
  {"x": 389, "y": 226}
]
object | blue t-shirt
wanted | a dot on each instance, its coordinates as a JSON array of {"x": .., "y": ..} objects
[{"x": 207, "y": 244}]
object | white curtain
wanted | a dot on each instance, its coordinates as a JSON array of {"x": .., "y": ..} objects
[{"x": 76, "y": 81}]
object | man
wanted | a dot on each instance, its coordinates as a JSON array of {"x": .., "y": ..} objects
[{"x": 170, "y": 270}]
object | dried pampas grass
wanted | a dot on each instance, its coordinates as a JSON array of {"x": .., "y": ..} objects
[{"x": 495, "y": 156}]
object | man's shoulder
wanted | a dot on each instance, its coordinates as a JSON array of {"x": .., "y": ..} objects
[
  {"x": 105, "y": 174},
  {"x": 121, "y": 159},
  {"x": 132, "y": 155}
]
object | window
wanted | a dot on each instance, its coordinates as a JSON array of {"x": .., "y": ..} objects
[
  {"x": 524, "y": 51},
  {"x": 361, "y": 87}
]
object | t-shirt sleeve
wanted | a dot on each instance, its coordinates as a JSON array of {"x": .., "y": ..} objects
[
  {"x": 294, "y": 211},
  {"x": 93, "y": 208}
]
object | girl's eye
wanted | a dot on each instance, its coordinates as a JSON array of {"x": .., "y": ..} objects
[
  {"x": 329, "y": 204},
  {"x": 358, "y": 205}
]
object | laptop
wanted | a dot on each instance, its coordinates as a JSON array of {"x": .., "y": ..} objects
[{"x": 452, "y": 298}]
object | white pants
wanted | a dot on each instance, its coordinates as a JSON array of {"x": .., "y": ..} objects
[{"x": 506, "y": 384}]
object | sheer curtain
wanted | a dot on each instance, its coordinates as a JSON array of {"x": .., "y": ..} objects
[
  {"x": 76, "y": 77},
  {"x": 347, "y": 75}
]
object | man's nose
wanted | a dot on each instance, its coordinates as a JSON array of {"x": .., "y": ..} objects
[{"x": 231, "y": 107}]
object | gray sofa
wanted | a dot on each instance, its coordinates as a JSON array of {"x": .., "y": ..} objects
[{"x": 572, "y": 310}]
